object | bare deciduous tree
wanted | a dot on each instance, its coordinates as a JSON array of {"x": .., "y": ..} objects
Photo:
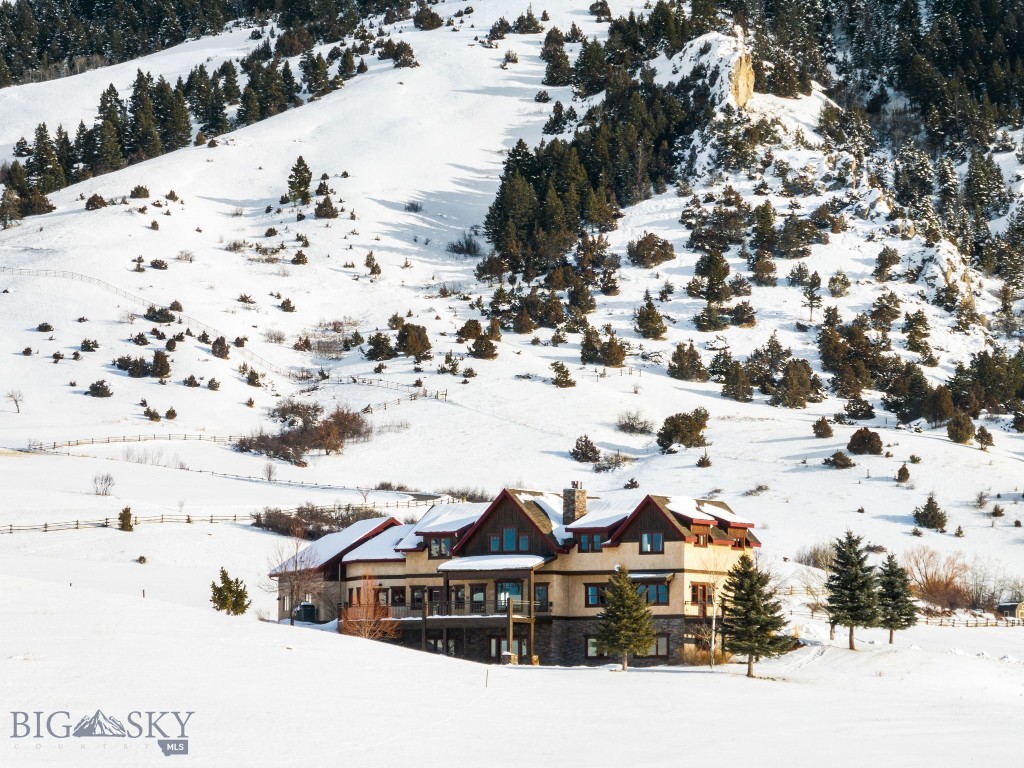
[
  {"x": 714, "y": 562},
  {"x": 269, "y": 472},
  {"x": 369, "y": 617},
  {"x": 17, "y": 398},
  {"x": 937, "y": 579},
  {"x": 102, "y": 483},
  {"x": 294, "y": 574}
]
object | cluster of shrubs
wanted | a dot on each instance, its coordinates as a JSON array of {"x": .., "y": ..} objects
[
  {"x": 304, "y": 429},
  {"x": 310, "y": 521}
]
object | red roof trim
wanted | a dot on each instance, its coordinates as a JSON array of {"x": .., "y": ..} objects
[
  {"x": 387, "y": 522},
  {"x": 614, "y": 540},
  {"x": 487, "y": 512}
]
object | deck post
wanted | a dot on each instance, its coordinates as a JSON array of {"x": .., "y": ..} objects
[{"x": 423, "y": 633}]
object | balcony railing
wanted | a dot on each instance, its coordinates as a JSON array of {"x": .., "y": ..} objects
[{"x": 468, "y": 609}]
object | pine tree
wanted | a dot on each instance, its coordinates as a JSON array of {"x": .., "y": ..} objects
[
  {"x": 44, "y": 168},
  {"x": 585, "y": 451},
  {"x": 753, "y": 617},
  {"x": 143, "y": 139},
  {"x": 896, "y": 608},
  {"x": 812, "y": 294},
  {"x": 10, "y": 208},
  {"x": 325, "y": 209},
  {"x": 299, "y": 181},
  {"x": 562, "y": 378},
  {"x": 852, "y": 596},
  {"x": 686, "y": 364},
  {"x": 737, "y": 384},
  {"x": 161, "y": 367},
  {"x": 625, "y": 625},
  {"x": 930, "y": 514},
  {"x": 647, "y": 320},
  {"x": 230, "y": 596}
]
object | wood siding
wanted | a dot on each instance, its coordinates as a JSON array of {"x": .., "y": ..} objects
[
  {"x": 507, "y": 514},
  {"x": 650, "y": 519}
]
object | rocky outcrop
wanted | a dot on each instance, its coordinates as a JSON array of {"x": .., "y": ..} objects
[{"x": 741, "y": 83}]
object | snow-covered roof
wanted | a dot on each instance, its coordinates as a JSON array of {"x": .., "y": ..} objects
[
  {"x": 606, "y": 512},
  {"x": 443, "y": 518},
  {"x": 492, "y": 563},
  {"x": 549, "y": 505},
  {"x": 705, "y": 509},
  {"x": 380, "y": 547},
  {"x": 331, "y": 545}
]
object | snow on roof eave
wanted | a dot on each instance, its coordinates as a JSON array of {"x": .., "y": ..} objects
[
  {"x": 318, "y": 553},
  {"x": 493, "y": 563}
]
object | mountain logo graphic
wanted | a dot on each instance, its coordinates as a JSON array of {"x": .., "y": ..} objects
[{"x": 99, "y": 724}]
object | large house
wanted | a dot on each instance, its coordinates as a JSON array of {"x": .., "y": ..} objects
[{"x": 525, "y": 573}]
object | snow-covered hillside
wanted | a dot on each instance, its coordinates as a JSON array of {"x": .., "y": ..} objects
[
  {"x": 436, "y": 135},
  {"x": 414, "y": 157}
]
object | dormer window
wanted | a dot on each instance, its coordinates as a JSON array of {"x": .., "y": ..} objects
[
  {"x": 652, "y": 543},
  {"x": 590, "y": 542},
  {"x": 440, "y": 547},
  {"x": 702, "y": 540}
]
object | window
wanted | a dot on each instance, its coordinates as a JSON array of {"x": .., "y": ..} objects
[
  {"x": 702, "y": 540},
  {"x": 495, "y": 545},
  {"x": 477, "y": 597},
  {"x": 440, "y": 547},
  {"x": 524, "y": 543},
  {"x": 658, "y": 648},
  {"x": 654, "y": 594},
  {"x": 739, "y": 542},
  {"x": 417, "y": 597},
  {"x": 590, "y": 542},
  {"x": 508, "y": 590},
  {"x": 592, "y": 652},
  {"x": 584, "y": 542},
  {"x": 398, "y": 595},
  {"x": 597, "y": 542},
  {"x": 540, "y": 596},
  {"x": 594, "y": 595},
  {"x": 652, "y": 543},
  {"x": 287, "y": 603},
  {"x": 508, "y": 539}
]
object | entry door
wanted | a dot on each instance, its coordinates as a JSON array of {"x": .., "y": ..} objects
[{"x": 699, "y": 597}]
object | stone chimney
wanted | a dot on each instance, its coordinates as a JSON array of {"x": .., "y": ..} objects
[{"x": 574, "y": 503}]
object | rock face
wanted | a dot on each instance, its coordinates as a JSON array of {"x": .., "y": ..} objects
[{"x": 741, "y": 84}]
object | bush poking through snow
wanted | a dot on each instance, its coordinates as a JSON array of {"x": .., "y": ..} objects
[
  {"x": 585, "y": 451},
  {"x": 230, "y": 595},
  {"x": 865, "y": 441},
  {"x": 100, "y": 389},
  {"x": 124, "y": 520}
]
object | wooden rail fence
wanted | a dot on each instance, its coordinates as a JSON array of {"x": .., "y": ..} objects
[{"x": 246, "y": 518}]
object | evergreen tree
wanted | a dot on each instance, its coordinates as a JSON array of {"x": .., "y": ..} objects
[
  {"x": 647, "y": 320},
  {"x": 812, "y": 294},
  {"x": 44, "y": 167},
  {"x": 143, "y": 140},
  {"x": 852, "y": 596},
  {"x": 299, "y": 181},
  {"x": 896, "y": 608},
  {"x": 249, "y": 110},
  {"x": 325, "y": 209},
  {"x": 585, "y": 451},
  {"x": 930, "y": 514},
  {"x": 107, "y": 156},
  {"x": 625, "y": 626},
  {"x": 230, "y": 595},
  {"x": 737, "y": 384},
  {"x": 753, "y": 617},
  {"x": 686, "y": 364},
  {"x": 10, "y": 208},
  {"x": 562, "y": 378}
]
